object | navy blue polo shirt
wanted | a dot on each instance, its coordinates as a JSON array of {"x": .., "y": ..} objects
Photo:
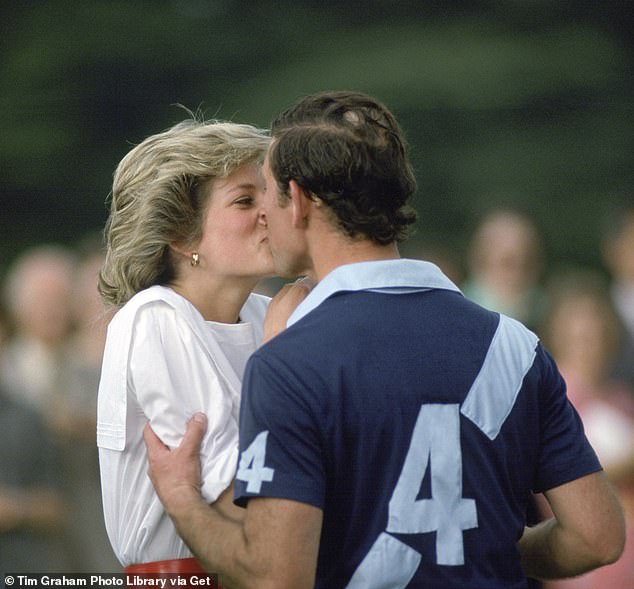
[{"x": 416, "y": 420}]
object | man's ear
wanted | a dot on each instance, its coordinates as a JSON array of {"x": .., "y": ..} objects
[{"x": 301, "y": 204}]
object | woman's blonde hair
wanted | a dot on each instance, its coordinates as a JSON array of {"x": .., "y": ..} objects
[{"x": 159, "y": 196}]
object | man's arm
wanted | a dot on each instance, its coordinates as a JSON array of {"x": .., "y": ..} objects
[
  {"x": 276, "y": 545},
  {"x": 587, "y": 531}
]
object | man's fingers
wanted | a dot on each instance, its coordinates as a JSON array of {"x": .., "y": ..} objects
[
  {"x": 298, "y": 289},
  {"x": 282, "y": 292},
  {"x": 152, "y": 441},
  {"x": 293, "y": 293},
  {"x": 306, "y": 282},
  {"x": 192, "y": 439},
  {"x": 196, "y": 428}
]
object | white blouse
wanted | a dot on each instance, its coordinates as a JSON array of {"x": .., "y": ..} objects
[{"x": 162, "y": 363}]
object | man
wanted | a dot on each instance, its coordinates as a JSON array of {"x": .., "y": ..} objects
[{"x": 392, "y": 435}]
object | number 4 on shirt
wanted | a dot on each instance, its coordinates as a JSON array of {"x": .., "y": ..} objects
[
  {"x": 251, "y": 468},
  {"x": 435, "y": 446}
]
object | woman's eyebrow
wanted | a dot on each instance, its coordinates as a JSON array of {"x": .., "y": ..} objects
[{"x": 243, "y": 186}]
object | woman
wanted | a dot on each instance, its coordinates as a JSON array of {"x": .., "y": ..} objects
[
  {"x": 583, "y": 332},
  {"x": 186, "y": 245}
]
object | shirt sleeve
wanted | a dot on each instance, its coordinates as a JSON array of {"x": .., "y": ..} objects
[
  {"x": 565, "y": 453},
  {"x": 280, "y": 451},
  {"x": 173, "y": 376}
]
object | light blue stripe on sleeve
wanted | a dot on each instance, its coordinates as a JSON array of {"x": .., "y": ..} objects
[{"x": 495, "y": 389}]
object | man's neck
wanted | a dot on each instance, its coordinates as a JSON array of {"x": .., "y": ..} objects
[{"x": 331, "y": 254}]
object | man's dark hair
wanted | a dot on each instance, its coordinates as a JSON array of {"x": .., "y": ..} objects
[{"x": 348, "y": 150}]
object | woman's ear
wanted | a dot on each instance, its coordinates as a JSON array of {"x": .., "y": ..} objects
[
  {"x": 181, "y": 250},
  {"x": 187, "y": 253}
]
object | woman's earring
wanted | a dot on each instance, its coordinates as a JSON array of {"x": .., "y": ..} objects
[{"x": 195, "y": 259}]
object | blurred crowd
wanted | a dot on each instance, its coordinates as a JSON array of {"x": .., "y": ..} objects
[
  {"x": 52, "y": 332},
  {"x": 585, "y": 318}
]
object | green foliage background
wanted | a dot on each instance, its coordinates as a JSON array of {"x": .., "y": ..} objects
[{"x": 524, "y": 103}]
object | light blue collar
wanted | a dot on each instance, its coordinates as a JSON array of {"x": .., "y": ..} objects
[{"x": 390, "y": 276}]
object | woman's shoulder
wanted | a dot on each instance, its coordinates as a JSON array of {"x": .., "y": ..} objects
[
  {"x": 155, "y": 294},
  {"x": 155, "y": 301}
]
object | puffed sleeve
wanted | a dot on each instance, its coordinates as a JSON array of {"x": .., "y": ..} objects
[{"x": 173, "y": 376}]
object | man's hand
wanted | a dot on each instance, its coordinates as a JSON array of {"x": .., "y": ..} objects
[
  {"x": 283, "y": 304},
  {"x": 274, "y": 547},
  {"x": 175, "y": 474}
]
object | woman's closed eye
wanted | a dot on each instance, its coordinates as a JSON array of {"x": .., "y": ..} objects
[{"x": 244, "y": 201}]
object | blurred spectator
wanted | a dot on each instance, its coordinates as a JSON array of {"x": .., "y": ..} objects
[
  {"x": 38, "y": 294},
  {"x": 31, "y": 506},
  {"x": 582, "y": 331},
  {"x": 84, "y": 346},
  {"x": 76, "y": 425},
  {"x": 618, "y": 255},
  {"x": 51, "y": 362},
  {"x": 504, "y": 266},
  {"x": 442, "y": 255}
]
